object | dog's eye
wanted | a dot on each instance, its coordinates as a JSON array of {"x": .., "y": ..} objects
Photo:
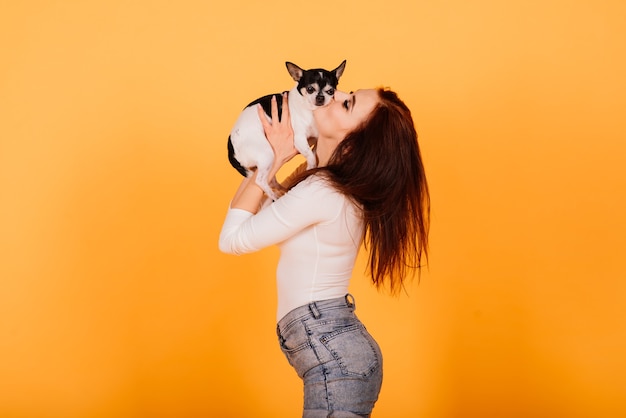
[
  {"x": 310, "y": 90},
  {"x": 330, "y": 92},
  {"x": 346, "y": 104}
]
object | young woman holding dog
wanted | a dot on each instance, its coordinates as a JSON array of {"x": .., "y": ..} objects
[{"x": 369, "y": 188}]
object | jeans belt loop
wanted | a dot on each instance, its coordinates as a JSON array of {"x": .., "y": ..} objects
[
  {"x": 314, "y": 311},
  {"x": 350, "y": 301}
]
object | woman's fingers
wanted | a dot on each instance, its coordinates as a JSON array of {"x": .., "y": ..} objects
[
  {"x": 286, "y": 118},
  {"x": 275, "y": 118},
  {"x": 275, "y": 122},
  {"x": 266, "y": 123}
]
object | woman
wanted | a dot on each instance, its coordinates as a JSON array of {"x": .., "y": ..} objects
[{"x": 369, "y": 187}]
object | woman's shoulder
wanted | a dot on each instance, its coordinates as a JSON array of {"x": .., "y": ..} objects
[
  {"x": 313, "y": 190},
  {"x": 316, "y": 196},
  {"x": 316, "y": 183}
]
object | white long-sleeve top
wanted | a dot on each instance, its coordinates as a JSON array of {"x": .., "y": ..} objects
[{"x": 319, "y": 232}]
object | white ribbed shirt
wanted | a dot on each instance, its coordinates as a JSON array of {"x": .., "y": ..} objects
[{"x": 319, "y": 232}]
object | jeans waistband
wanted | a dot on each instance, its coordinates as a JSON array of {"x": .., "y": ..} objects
[{"x": 316, "y": 309}]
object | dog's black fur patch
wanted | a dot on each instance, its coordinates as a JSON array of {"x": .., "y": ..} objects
[{"x": 266, "y": 104}]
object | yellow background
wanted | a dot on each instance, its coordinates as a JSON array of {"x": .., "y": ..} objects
[{"x": 114, "y": 115}]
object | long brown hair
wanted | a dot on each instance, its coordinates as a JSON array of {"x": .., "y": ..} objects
[{"x": 379, "y": 166}]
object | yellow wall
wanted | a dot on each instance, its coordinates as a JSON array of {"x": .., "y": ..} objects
[{"x": 115, "y": 302}]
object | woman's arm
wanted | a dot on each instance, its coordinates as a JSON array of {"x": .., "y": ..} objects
[
  {"x": 249, "y": 196},
  {"x": 310, "y": 202}
]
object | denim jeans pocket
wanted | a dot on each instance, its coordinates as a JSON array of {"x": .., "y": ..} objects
[
  {"x": 296, "y": 346},
  {"x": 354, "y": 349}
]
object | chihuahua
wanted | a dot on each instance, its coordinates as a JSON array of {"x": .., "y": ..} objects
[{"x": 247, "y": 145}]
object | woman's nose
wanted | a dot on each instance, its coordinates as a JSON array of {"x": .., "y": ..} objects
[{"x": 340, "y": 96}]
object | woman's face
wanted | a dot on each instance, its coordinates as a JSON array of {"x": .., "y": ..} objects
[{"x": 345, "y": 113}]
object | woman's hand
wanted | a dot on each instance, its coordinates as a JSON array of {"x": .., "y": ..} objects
[{"x": 279, "y": 133}]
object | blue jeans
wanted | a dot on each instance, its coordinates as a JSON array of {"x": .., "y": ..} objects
[{"x": 338, "y": 360}]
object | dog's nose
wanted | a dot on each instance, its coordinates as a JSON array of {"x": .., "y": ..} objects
[{"x": 319, "y": 100}]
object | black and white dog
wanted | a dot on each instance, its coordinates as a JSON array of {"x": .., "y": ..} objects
[{"x": 247, "y": 146}]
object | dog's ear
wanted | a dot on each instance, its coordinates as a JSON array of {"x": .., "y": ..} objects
[
  {"x": 294, "y": 70},
  {"x": 339, "y": 70}
]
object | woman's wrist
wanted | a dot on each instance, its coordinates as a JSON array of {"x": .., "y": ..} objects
[{"x": 249, "y": 196}]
